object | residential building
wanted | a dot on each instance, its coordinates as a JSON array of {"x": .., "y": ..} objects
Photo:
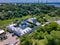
[
  {"x": 23, "y": 28},
  {"x": 33, "y": 21}
]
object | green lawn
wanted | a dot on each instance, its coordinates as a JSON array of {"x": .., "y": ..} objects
[
  {"x": 51, "y": 18},
  {"x": 39, "y": 42},
  {"x": 4, "y": 23}
]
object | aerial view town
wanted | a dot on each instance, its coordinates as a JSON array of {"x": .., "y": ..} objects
[{"x": 30, "y": 22}]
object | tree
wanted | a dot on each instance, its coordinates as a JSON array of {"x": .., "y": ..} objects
[
  {"x": 36, "y": 43},
  {"x": 25, "y": 40},
  {"x": 40, "y": 28},
  {"x": 19, "y": 10},
  {"x": 53, "y": 38},
  {"x": 51, "y": 26},
  {"x": 38, "y": 35}
]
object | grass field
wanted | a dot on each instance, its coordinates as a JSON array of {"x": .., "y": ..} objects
[
  {"x": 4, "y": 23},
  {"x": 52, "y": 18},
  {"x": 39, "y": 42}
]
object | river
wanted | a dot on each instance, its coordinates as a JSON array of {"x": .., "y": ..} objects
[{"x": 57, "y": 5}]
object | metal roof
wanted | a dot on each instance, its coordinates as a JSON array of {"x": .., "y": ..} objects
[{"x": 33, "y": 20}]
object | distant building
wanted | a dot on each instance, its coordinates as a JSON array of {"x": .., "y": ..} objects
[
  {"x": 58, "y": 21},
  {"x": 33, "y": 21}
]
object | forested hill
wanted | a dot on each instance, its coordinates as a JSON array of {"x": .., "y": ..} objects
[{"x": 8, "y": 11}]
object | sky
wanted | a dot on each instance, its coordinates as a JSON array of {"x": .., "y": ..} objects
[{"x": 1, "y": 1}]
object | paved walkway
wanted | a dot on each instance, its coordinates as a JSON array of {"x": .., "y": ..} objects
[{"x": 58, "y": 21}]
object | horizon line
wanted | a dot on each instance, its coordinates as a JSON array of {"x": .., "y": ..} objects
[{"x": 32, "y": 2}]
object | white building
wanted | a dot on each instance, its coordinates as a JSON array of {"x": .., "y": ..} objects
[
  {"x": 1, "y": 31},
  {"x": 33, "y": 21},
  {"x": 18, "y": 30},
  {"x": 23, "y": 27}
]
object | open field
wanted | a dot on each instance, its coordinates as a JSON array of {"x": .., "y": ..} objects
[{"x": 4, "y": 23}]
